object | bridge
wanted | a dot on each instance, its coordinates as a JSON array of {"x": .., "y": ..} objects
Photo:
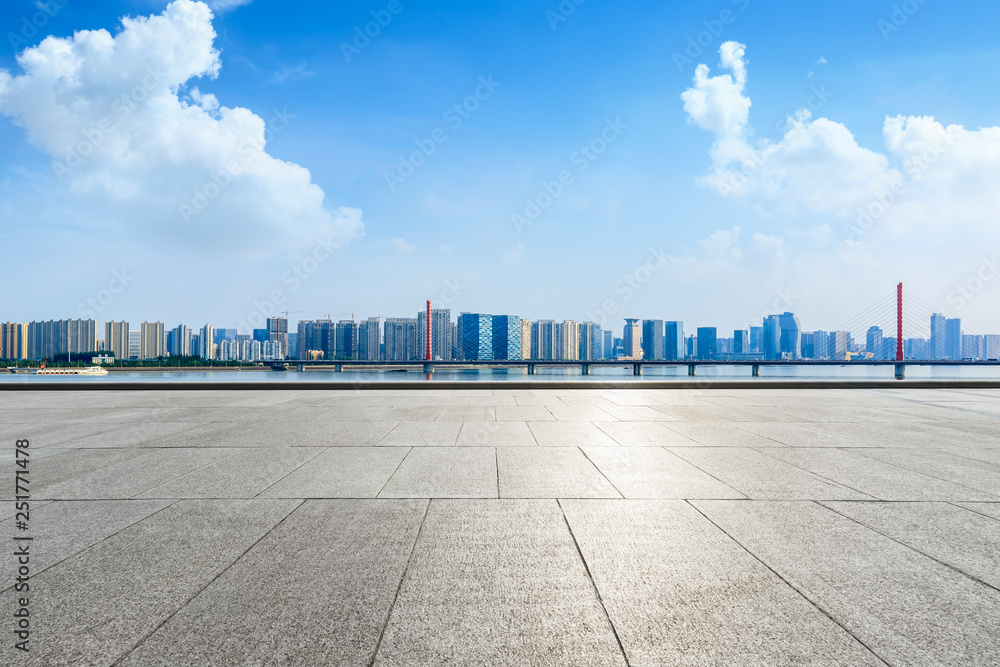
[{"x": 637, "y": 366}]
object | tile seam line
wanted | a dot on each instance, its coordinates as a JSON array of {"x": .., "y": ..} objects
[
  {"x": 973, "y": 502},
  {"x": 176, "y": 611},
  {"x": 189, "y": 472},
  {"x": 322, "y": 450},
  {"x": 823, "y": 503},
  {"x": 598, "y": 469},
  {"x": 792, "y": 586},
  {"x": 861, "y": 451},
  {"x": 394, "y": 471},
  {"x": 757, "y": 449},
  {"x": 667, "y": 449},
  {"x": 590, "y": 577},
  {"x": 106, "y": 537},
  {"x": 399, "y": 586}
]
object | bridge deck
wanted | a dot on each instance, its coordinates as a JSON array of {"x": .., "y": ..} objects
[{"x": 563, "y": 527}]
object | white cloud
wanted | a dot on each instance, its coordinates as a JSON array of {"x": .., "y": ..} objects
[
  {"x": 223, "y": 6},
  {"x": 400, "y": 244},
  {"x": 133, "y": 138},
  {"x": 927, "y": 173}
]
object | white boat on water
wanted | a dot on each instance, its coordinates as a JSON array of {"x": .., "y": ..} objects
[{"x": 89, "y": 370}]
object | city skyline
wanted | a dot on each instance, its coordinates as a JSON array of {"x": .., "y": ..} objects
[
  {"x": 490, "y": 337},
  {"x": 745, "y": 153}
]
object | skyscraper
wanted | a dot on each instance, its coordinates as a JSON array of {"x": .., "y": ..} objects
[
  {"x": 179, "y": 341},
  {"x": 873, "y": 342},
  {"x": 757, "y": 340},
  {"x": 840, "y": 343},
  {"x": 771, "y": 339},
  {"x": 789, "y": 342},
  {"x": 543, "y": 335},
  {"x": 277, "y": 334},
  {"x": 673, "y": 341},
  {"x": 13, "y": 340},
  {"x": 590, "y": 341},
  {"x": 369, "y": 340},
  {"x": 652, "y": 339},
  {"x": 938, "y": 336},
  {"x": 707, "y": 342},
  {"x": 151, "y": 340},
  {"x": 953, "y": 338},
  {"x": 609, "y": 343},
  {"x": 506, "y": 336},
  {"x": 567, "y": 341},
  {"x": 400, "y": 339},
  {"x": 526, "y": 339},
  {"x": 206, "y": 346},
  {"x": 741, "y": 343},
  {"x": 475, "y": 333},
  {"x": 632, "y": 338}
]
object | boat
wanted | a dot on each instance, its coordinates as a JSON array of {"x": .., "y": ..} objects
[{"x": 89, "y": 370}]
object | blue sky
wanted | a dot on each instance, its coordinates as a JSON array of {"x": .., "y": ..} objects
[{"x": 446, "y": 231}]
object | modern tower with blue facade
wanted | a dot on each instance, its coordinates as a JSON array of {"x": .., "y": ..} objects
[
  {"x": 707, "y": 342},
  {"x": 673, "y": 341},
  {"x": 652, "y": 339},
  {"x": 475, "y": 335},
  {"x": 506, "y": 334}
]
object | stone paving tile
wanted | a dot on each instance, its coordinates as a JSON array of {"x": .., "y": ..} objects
[
  {"x": 716, "y": 434},
  {"x": 98, "y": 605},
  {"x": 340, "y": 472},
  {"x": 497, "y": 582},
  {"x": 986, "y": 509},
  {"x": 570, "y": 434},
  {"x": 653, "y": 472},
  {"x": 673, "y": 606},
  {"x": 124, "y": 478},
  {"x": 445, "y": 472},
  {"x": 243, "y": 475},
  {"x": 643, "y": 434},
  {"x": 763, "y": 477},
  {"x": 469, "y": 414},
  {"x": 524, "y": 414},
  {"x": 955, "y": 536},
  {"x": 907, "y": 608},
  {"x": 315, "y": 591},
  {"x": 550, "y": 472},
  {"x": 572, "y": 413},
  {"x": 422, "y": 434},
  {"x": 496, "y": 434},
  {"x": 956, "y": 469},
  {"x": 873, "y": 478}
]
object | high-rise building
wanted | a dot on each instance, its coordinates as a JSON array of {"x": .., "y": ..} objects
[
  {"x": 973, "y": 347},
  {"x": 789, "y": 341},
  {"x": 369, "y": 342},
  {"x": 673, "y": 341},
  {"x": 590, "y": 341},
  {"x": 917, "y": 348},
  {"x": 543, "y": 340},
  {"x": 475, "y": 334},
  {"x": 13, "y": 340},
  {"x": 991, "y": 345},
  {"x": 839, "y": 344},
  {"x": 134, "y": 344},
  {"x": 260, "y": 335},
  {"x": 206, "y": 346},
  {"x": 179, "y": 341},
  {"x": 707, "y": 342},
  {"x": 609, "y": 343},
  {"x": 315, "y": 339},
  {"x": 277, "y": 334},
  {"x": 771, "y": 339},
  {"x": 345, "y": 340},
  {"x": 506, "y": 337},
  {"x": 48, "y": 340},
  {"x": 632, "y": 338},
  {"x": 400, "y": 338},
  {"x": 873, "y": 342},
  {"x": 441, "y": 343},
  {"x": 525, "y": 339},
  {"x": 652, "y": 339},
  {"x": 567, "y": 341},
  {"x": 946, "y": 337},
  {"x": 741, "y": 343},
  {"x": 151, "y": 340},
  {"x": 757, "y": 340}
]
